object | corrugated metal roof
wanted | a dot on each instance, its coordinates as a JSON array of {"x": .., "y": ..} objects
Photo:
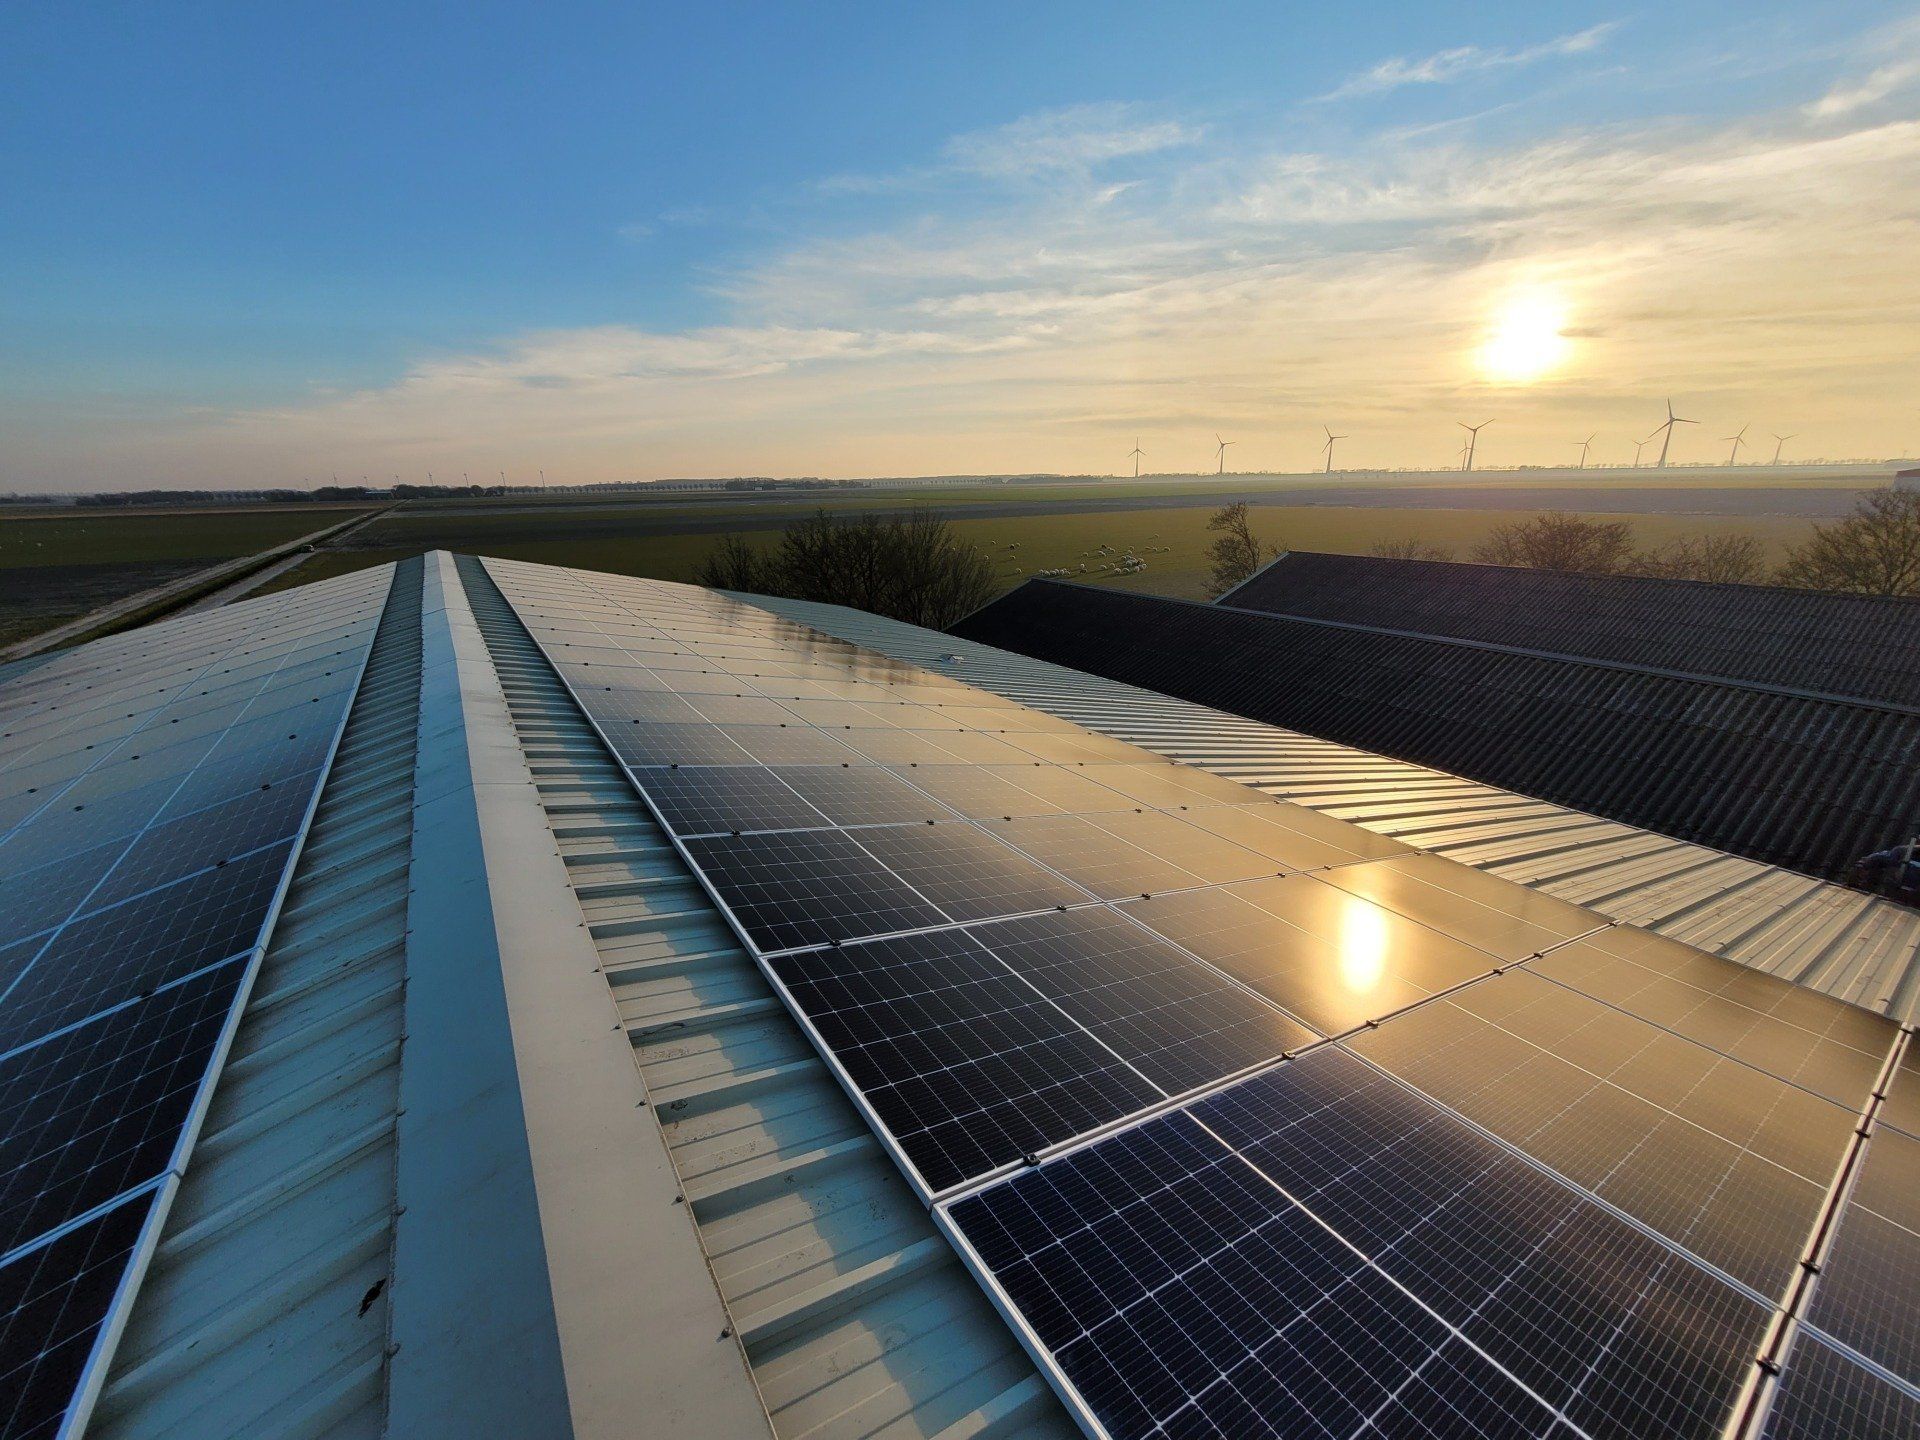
[
  {"x": 855, "y": 1317},
  {"x": 1849, "y": 944},
  {"x": 264, "y": 1309},
  {"x": 1807, "y": 783},
  {"x": 1851, "y": 645}
]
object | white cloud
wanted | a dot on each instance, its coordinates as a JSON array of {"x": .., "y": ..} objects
[
  {"x": 1880, "y": 85},
  {"x": 1080, "y": 137},
  {"x": 1740, "y": 264},
  {"x": 1443, "y": 67}
]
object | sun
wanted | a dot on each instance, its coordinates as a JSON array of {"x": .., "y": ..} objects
[{"x": 1527, "y": 340}]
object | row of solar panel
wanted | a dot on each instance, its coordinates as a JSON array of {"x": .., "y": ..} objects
[
  {"x": 1697, "y": 1108},
  {"x": 153, "y": 795}
]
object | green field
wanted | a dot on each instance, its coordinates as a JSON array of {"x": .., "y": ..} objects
[
  {"x": 56, "y": 565},
  {"x": 1172, "y": 541}
]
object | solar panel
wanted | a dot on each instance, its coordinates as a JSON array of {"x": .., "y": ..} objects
[
  {"x": 1810, "y": 1039},
  {"x": 1248, "y": 1116},
  {"x": 1309, "y": 1243},
  {"x": 1496, "y": 915},
  {"x": 155, "y": 786},
  {"x": 966, "y": 1065},
  {"x": 1864, "y": 1296},
  {"x": 1329, "y": 957},
  {"x": 1823, "y": 1394},
  {"x": 1694, "y": 1145}
]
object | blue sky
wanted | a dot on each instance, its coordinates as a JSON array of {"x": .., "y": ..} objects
[{"x": 261, "y": 244}]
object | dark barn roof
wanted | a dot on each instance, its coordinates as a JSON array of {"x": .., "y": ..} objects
[
  {"x": 1791, "y": 779},
  {"x": 1862, "y": 646}
]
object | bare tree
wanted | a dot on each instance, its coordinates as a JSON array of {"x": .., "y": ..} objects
[
  {"x": 1873, "y": 551},
  {"x": 1412, "y": 548},
  {"x": 907, "y": 567},
  {"x": 1557, "y": 540},
  {"x": 1723, "y": 559},
  {"x": 1237, "y": 553},
  {"x": 735, "y": 565}
]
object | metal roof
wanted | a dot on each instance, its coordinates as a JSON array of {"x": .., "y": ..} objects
[
  {"x": 1785, "y": 778},
  {"x": 1835, "y": 939},
  {"x": 684, "y": 1217},
  {"x": 854, "y": 1316},
  {"x": 265, "y": 1306},
  {"x": 1860, "y": 646}
]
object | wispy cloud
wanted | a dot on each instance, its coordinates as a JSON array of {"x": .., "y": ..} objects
[
  {"x": 1080, "y": 137},
  {"x": 1732, "y": 261},
  {"x": 1882, "y": 84},
  {"x": 1444, "y": 67}
]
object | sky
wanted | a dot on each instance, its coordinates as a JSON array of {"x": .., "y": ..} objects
[{"x": 274, "y": 245}]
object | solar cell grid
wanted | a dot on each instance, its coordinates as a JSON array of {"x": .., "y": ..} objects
[
  {"x": 1300, "y": 838},
  {"x": 1333, "y": 959},
  {"x": 720, "y": 799},
  {"x": 53, "y": 1303},
  {"x": 862, "y": 795},
  {"x": 1753, "y": 1017},
  {"x": 1180, "y": 1275},
  {"x": 96, "y": 1111},
  {"x": 1614, "y": 1329},
  {"x": 1170, "y": 787},
  {"x": 1864, "y": 1297},
  {"x": 1605, "y": 1100},
  {"x": 1179, "y": 1022},
  {"x": 1496, "y": 915},
  {"x": 967, "y": 873},
  {"x": 809, "y": 887},
  {"x": 795, "y": 744},
  {"x": 1823, "y": 1394},
  {"x": 1093, "y": 857},
  {"x": 965, "y": 1064},
  {"x": 112, "y": 955}
]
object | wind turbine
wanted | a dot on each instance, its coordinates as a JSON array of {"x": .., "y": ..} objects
[
  {"x": 1473, "y": 439},
  {"x": 1638, "y": 446},
  {"x": 1738, "y": 441},
  {"x": 1327, "y": 449},
  {"x": 1778, "y": 441},
  {"x": 1584, "y": 446},
  {"x": 1667, "y": 438},
  {"x": 1135, "y": 454},
  {"x": 1221, "y": 453}
]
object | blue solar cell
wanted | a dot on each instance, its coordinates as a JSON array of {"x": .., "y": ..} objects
[{"x": 53, "y": 1302}]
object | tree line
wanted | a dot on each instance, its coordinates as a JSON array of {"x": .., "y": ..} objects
[{"x": 1875, "y": 550}]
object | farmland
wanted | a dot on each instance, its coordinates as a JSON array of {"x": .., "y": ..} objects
[
  {"x": 1173, "y": 541},
  {"x": 56, "y": 565}
]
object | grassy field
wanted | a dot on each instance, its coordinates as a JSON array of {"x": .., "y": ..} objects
[
  {"x": 1172, "y": 541},
  {"x": 56, "y": 565}
]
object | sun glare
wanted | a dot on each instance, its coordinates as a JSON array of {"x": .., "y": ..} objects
[{"x": 1527, "y": 339}]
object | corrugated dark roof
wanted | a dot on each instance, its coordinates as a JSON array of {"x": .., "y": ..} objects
[
  {"x": 1852, "y": 645},
  {"x": 1806, "y": 783}
]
